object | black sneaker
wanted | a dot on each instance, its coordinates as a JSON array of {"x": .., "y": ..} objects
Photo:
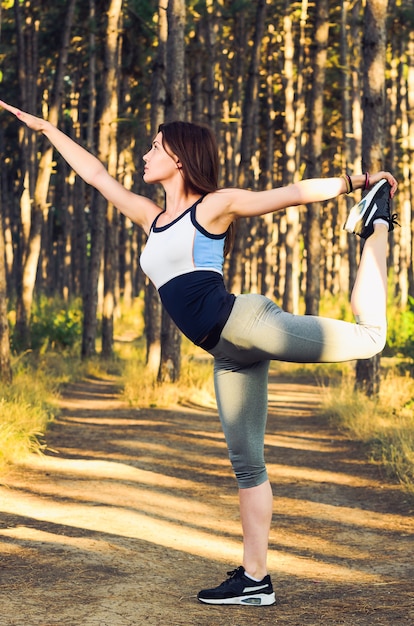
[
  {"x": 375, "y": 205},
  {"x": 239, "y": 589}
]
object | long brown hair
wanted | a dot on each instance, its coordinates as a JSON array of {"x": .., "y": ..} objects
[{"x": 195, "y": 146}]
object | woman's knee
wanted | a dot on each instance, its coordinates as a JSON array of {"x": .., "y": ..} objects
[
  {"x": 250, "y": 476},
  {"x": 377, "y": 336}
]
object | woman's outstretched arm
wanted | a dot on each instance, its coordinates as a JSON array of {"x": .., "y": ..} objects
[
  {"x": 139, "y": 209},
  {"x": 241, "y": 203},
  {"x": 227, "y": 205}
]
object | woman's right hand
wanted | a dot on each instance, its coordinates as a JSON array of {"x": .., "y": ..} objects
[
  {"x": 375, "y": 178},
  {"x": 31, "y": 121}
]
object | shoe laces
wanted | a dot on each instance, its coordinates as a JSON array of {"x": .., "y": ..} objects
[
  {"x": 235, "y": 573},
  {"x": 393, "y": 220}
]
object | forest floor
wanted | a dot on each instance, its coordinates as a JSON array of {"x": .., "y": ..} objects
[{"x": 131, "y": 512}]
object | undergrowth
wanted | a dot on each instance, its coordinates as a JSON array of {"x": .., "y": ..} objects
[
  {"x": 195, "y": 385},
  {"x": 385, "y": 423},
  {"x": 29, "y": 404}
]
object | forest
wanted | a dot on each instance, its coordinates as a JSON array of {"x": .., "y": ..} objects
[{"x": 292, "y": 89}]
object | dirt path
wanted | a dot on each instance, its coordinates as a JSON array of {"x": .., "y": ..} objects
[{"x": 136, "y": 510}]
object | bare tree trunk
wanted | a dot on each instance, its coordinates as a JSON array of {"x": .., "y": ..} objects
[
  {"x": 373, "y": 102},
  {"x": 351, "y": 129},
  {"x": 267, "y": 260},
  {"x": 292, "y": 241},
  {"x": 40, "y": 206},
  {"x": 348, "y": 154},
  {"x": 246, "y": 177},
  {"x": 250, "y": 103},
  {"x": 170, "y": 364},
  {"x": 175, "y": 100},
  {"x": 109, "y": 153},
  {"x": 409, "y": 160},
  {"x": 214, "y": 14},
  {"x": 152, "y": 311},
  {"x": 403, "y": 263},
  {"x": 5, "y": 363},
  {"x": 313, "y": 232}
]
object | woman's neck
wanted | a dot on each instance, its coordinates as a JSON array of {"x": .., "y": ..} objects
[{"x": 176, "y": 201}]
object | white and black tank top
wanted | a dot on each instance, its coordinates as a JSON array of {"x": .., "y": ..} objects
[{"x": 185, "y": 263}]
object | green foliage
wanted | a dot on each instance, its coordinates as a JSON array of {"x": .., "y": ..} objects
[
  {"x": 400, "y": 338},
  {"x": 55, "y": 325}
]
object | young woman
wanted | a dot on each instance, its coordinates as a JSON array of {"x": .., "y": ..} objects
[{"x": 184, "y": 258}]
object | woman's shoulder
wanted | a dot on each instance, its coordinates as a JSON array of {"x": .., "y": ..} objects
[{"x": 214, "y": 212}]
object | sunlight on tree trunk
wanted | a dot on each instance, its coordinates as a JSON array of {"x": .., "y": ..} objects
[{"x": 5, "y": 363}]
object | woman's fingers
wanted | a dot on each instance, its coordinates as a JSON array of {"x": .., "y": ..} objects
[
  {"x": 9, "y": 107},
  {"x": 33, "y": 122}
]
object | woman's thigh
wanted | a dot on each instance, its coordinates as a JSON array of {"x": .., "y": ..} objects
[{"x": 258, "y": 329}]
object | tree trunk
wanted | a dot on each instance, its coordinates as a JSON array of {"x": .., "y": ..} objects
[
  {"x": 170, "y": 364},
  {"x": 109, "y": 154},
  {"x": 313, "y": 231},
  {"x": 246, "y": 171},
  {"x": 40, "y": 205},
  {"x": 292, "y": 241},
  {"x": 152, "y": 311},
  {"x": 27, "y": 43},
  {"x": 5, "y": 363},
  {"x": 373, "y": 104},
  {"x": 99, "y": 207},
  {"x": 409, "y": 157},
  {"x": 351, "y": 131},
  {"x": 176, "y": 86},
  {"x": 403, "y": 263}
]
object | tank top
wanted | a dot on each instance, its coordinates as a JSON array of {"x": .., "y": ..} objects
[{"x": 185, "y": 263}]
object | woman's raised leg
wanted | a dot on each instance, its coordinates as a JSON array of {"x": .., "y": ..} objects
[{"x": 369, "y": 295}]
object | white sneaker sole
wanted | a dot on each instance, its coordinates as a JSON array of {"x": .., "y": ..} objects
[
  {"x": 260, "y": 599},
  {"x": 358, "y": 211}
]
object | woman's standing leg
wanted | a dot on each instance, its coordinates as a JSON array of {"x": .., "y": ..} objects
[
  {"x": 256, "y": 507},
  {"x": 241, "y": 393}
]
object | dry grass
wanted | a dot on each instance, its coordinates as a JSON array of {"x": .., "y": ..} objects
[
  {"x": 385, "y": 424},
  {"x": 140, "y": 386},
  {"x": 28, "y": 404},
  {"x": 25, "y": 408}
]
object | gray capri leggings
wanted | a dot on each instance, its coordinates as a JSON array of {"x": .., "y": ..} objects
[{"x": 257, "y": 332}]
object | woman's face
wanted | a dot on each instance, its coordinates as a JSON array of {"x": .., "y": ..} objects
[{"x": 160, "y": 165}]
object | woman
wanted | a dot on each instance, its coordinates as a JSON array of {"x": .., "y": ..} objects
[{"x": 184, "y": 258}]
